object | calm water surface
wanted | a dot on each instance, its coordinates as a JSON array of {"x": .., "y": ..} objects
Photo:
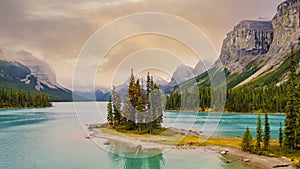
[
  {"x": 228, "y": 124},
  {"x": 52, "y": 138}
]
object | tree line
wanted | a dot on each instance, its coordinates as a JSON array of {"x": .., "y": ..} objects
[
  {"x": 289, "y": 138},
  {"x": 21, "y": 99},
  {"x": 141, "y": 109},
  {"x": 270, "y": 98}
]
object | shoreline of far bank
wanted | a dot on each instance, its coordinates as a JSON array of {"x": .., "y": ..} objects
[
  {"x": 224, "y": 112},
  {"x": 226, "y": 152}
]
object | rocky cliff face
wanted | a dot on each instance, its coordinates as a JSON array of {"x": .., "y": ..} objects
[
  {"x": 247, "y": 40},
  {"x": 265, "y": 42},
  {"x": 257, "y": 47},
  {"x": 286, "y": 26}
]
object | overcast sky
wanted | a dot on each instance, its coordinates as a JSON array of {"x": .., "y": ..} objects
[{"x": 57, "y": 30}]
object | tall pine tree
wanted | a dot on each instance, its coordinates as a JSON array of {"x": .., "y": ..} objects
[
  {"x": 116, "y": 106},
  {"x": 109, "y": 112},
  {"x": 292, "y": 107},
  {"x": 133, "y": 100},
  {"x": 140, "y": 114},
  {"x": 267, "y": 132},
  {"x": 280, "y": 136},
  {"x": 259, "y": 138}
]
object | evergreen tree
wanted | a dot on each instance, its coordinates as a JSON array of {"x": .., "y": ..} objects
[
  {"x": 297, "y": 94},
  {"x": 151, "y": 106},
  {"x": 148, "y": 85},
  {"x": 140, "y": 114},
  {"x": 109, "y": 111},
  {"x": 246, "y": 140},
  {"x": 267, "y": 133},
  {"x": 139, "y": 110},
  {"x": 259, "y": 138},
  {"x": 18, "y": 99},
  {"x": 292, "y": 107},
  {"x": 280, "y": 135},
  {"x": 116, "y": 106},
  {"x": 156, "y": 107},
  {"x": 133, "y": 100},
  {"x": 126, "y": 111}
]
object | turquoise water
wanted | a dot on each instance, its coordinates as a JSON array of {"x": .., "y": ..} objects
[
  {"x": 52, "y": 138},
  {"x": 229, "y": 124}
]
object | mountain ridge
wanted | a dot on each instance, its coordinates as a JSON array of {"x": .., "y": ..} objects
[
  {"x": 16, "y": 75},
  {"x": 255, "y": 48}
]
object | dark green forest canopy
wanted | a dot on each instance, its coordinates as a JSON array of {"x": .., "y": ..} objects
[{"x": 20, "y": 99}]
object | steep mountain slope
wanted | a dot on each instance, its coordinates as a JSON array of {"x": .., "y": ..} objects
[
  {"x": 257, "y": 49},
  {"x": 248, "y": 41},
  {"x": 286, "y": 26},
  {"x": 274, "y": 76},
  {"x": 14, "y": 75}
]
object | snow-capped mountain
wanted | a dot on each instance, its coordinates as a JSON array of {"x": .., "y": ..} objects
[{"x": 23, "y": 71}]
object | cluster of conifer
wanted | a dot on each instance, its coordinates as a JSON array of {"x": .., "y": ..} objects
[
  {"x": 270, "y": 98},
  {"x": 141, "y": 109},
  {"x": 19, "y": 99},
  {"x": 290, "y": 138}
]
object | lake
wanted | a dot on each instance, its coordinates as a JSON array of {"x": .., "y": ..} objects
[{"x": 53, "y": 138}]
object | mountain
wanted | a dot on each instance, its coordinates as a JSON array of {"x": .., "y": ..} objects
[
  {"x": 98, "y": 95},
  {"x": 181, "y": 74},
  {"x": 162, "y": 84},
  {"x": 199, "y": 68},
  {"x": 257, "y": 51},
  {"x": 249, "y": 40},
  {"x": 103, "y": 94},
  {"x": 184, "y": 73},
  {"x": 15, "y": 75},
  {"x": 40, "y": 69},
  {"x": 286, "y": 26}
]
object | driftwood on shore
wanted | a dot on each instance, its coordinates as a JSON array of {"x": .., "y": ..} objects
[{"x": 280, "y": 165}]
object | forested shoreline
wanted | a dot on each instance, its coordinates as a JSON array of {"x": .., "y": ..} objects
[
  {"x": 270, "y": 98},
  {"x": 21, "y": 99}
]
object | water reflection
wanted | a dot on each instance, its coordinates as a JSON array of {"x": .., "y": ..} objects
[
  {"x": 136, "y": 157},
  {"x": 153, "y": 162}
]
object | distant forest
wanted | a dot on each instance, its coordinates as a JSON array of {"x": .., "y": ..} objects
[
  {"x": 20, "y": 99},
  {"x": 270, "y": 98},
  {"x": 262, "y": 95}
]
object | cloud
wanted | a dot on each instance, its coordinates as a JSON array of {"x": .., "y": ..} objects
[{"x": 57, "y": 30}]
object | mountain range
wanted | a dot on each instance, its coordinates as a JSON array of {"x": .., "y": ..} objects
[{"x": 256, "y": 51}]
